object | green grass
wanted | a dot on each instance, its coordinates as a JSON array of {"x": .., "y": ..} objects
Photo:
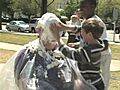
[
  {"x": 5, "y": 55},
  {"x": 115, "y": 52},
  {"x": 115, "y": 81},
  {"x": 16, "y": 39}
]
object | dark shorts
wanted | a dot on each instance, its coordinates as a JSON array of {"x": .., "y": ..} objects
[
  {"x": 73, "y": 39},
  {"x": 100, "y": 86}
]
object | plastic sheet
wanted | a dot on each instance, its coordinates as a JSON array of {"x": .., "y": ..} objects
[
  {"x": 7, "y": 80},
  {"x": 24, "y": 71}
]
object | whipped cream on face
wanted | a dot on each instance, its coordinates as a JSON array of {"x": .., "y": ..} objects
[{"x": 45, "y": 21}]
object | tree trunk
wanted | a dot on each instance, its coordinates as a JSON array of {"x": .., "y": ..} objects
[
  {"x": 44, "y": 7},
  {"x": 29, "y": 16},
  {"x": 12, "y": 16}
]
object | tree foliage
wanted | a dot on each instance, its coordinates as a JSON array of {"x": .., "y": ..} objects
[
  {"x": 35, "y": 7},
  {"x": 3, "y": 6},
  {"x": 28, "y": 7},
  {"x": 12, "y": 8},
  {"x": 70, "y": 8},
  {"x": 105, "y": 8},
  {"x": 52, "y": 7}
]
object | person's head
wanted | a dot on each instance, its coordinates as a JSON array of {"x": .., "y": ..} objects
[
  {"x": 78, "y": 13},
  {"x": 87, "y": 8},
  {"x": 43, "y": 28},
  {"x": 92, "y": 29},
  {"x": 74, "y": 18}
]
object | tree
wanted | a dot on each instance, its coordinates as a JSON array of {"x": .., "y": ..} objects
[
  {"x": 12, "y": 8},
  {"x": 43, "y": 5},
  {"x": 105, "y": 10},
  {"x": 3, "y": 6},
  {"x": 28, "y": 7},
  {"x": 70, "y": 7}
]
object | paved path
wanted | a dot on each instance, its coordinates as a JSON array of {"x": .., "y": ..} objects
[
  {"x": 1, "y": 65},
  {"x": 115, "y": 64},
  {"x": 9, "y": 46}
]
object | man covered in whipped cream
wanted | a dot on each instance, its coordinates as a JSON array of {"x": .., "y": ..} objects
[{"x": 38, "y": 65}]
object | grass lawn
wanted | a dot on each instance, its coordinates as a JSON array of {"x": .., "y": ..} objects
[
  {"x": 5, "y": 55},
  {"x": 115, "y": 81},
  {"x": 16, "y": 39},
  {"x": 115, "y": 52}
]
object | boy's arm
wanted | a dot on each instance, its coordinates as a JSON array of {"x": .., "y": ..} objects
[
  {"x": 67, "y": 51},
  {"x": 75, "y": 54}
]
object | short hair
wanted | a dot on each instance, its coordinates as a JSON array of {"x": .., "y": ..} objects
[
  {"x": 91, "y": 2},
  {"x": 74, "y": 16},
  {"x": 94, "y": 26}
]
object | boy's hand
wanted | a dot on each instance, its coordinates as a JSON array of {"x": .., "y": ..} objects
[
  {"x": 55, "y": 32},
  {"x": 58, "y": 26}
]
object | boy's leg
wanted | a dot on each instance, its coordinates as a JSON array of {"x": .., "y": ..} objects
[{"x": 100, "y": 86}]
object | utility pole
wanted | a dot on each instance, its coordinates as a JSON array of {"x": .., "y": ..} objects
[
  {"x": 115, "y": 17},
  {"x": 1, "y": 15}
]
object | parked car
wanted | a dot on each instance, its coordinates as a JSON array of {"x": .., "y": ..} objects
[
  {"x": 6, "y": 19},
  {"x": 109, "y": 25},
  {"x": 19, "y": 26},
  {"x": 32, "y": 24}
]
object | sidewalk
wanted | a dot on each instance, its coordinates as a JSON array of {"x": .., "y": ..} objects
[
  {"x": 9, "y": 46},
  {"x": 115, "y": 64}
]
